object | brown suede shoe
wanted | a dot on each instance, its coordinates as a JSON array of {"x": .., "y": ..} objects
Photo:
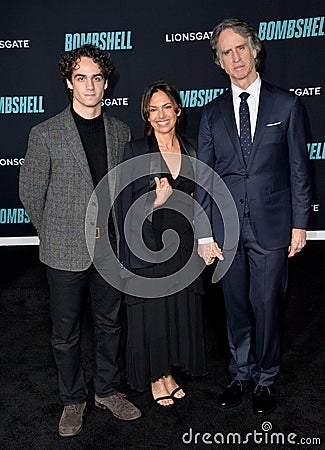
[
  {"x": 71, "y": 420},
  {"x": 119, "y": 406}
]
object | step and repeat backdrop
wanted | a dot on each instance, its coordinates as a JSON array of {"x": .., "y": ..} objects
[{"x": 148, "y": 41}]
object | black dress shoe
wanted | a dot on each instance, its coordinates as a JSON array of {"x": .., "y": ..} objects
[
  {"x": 233, "y": 394},
  {"x": 263, "y": 400}
]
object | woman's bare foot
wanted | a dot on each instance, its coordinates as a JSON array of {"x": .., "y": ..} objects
[
  {"x": 172, "y": 386},
  {"x": 160, "y": 393}
]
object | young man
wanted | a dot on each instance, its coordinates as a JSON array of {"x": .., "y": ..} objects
[
  {"x": 254, "y": 137},
  {"x": 67, "y": 157}
]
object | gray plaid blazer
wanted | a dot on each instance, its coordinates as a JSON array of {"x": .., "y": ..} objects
[{"x": 55, "y": 186}]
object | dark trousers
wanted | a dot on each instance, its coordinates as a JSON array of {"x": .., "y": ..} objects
[
  {"x": 68, "y": 291},
  {"x": 254, "y": 290}
]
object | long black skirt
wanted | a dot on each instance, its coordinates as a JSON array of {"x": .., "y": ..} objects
[{"x": 165, "y": 332}]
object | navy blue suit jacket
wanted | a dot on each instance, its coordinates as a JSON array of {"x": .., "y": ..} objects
[{"x": 276, "y": 179}]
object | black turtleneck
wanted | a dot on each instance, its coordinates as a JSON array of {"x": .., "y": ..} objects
[{"x": 92, "y": 134}]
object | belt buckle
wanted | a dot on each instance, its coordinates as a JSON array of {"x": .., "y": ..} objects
[{"x": 97, "y": 232}]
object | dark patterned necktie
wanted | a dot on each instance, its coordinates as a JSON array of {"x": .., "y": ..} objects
[{"x": 245, "y": 126}]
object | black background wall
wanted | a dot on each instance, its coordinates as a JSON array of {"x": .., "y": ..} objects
[{"x": 148, "y": 40}]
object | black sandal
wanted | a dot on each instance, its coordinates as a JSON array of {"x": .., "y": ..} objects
[
  {"x": 165, "y": 397},
  {"x": 172, "y": 395}
]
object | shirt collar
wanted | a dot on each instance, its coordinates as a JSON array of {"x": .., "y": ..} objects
[{"x": 253, "y": 89}]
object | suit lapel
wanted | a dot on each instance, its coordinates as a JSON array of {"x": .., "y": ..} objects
[
  {"x": 264, "y": 111},
  {"x": 111, "y": 146},
  {"x": 156, "y": 160},
  {"x": 111, "y": 156},
  {"x": 74, "y": 144},
  {"x": 227, "y": 112}
]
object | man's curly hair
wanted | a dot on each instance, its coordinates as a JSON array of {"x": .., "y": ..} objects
[{"x": 69, "y": 61}]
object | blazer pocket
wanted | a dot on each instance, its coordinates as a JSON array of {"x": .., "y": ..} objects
[
  {"x": 274, "y": 127},
  {"x": 274, "y": 134},
  {"x": 280, "y": 197}
]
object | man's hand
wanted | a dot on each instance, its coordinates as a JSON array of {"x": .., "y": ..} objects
[
  {"x": 209, "y": 252},
  {"x": 163, "y": 191},
  {"x": 298, "y": 241}
]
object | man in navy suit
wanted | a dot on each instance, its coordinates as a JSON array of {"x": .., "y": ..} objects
[{"x": 256, "y": 142}]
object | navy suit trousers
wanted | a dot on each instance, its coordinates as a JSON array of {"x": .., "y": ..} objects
[{"x": 254, "y": 290}]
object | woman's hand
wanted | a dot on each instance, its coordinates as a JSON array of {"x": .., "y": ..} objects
[{"x": 163, "y": 191}]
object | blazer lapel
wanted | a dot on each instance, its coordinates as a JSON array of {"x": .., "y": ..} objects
[
  {"x": 264, "y": 111},
  {"x": 74, "y": 144},
  {"x": 112, "y": 161},
  {"x": 227, "y": 112},
  {"x": 111, "y": 146},
  {"x": 155, "y": 169}
]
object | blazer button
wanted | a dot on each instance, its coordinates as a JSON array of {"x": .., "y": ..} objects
[
  {"x": 242, "y": 200},
  {"x": 246, "y": 175}
]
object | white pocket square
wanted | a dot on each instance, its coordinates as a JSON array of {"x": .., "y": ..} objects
[{"x": 273, "y": 124}]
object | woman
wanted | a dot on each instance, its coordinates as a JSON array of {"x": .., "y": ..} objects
[{"x": 163, "y": 331}]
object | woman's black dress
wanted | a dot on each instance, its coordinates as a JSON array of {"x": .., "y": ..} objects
[{"x": 167, "y": 331}]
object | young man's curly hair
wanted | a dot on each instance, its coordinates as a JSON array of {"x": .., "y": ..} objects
[{"x": 69, "y": 61}]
